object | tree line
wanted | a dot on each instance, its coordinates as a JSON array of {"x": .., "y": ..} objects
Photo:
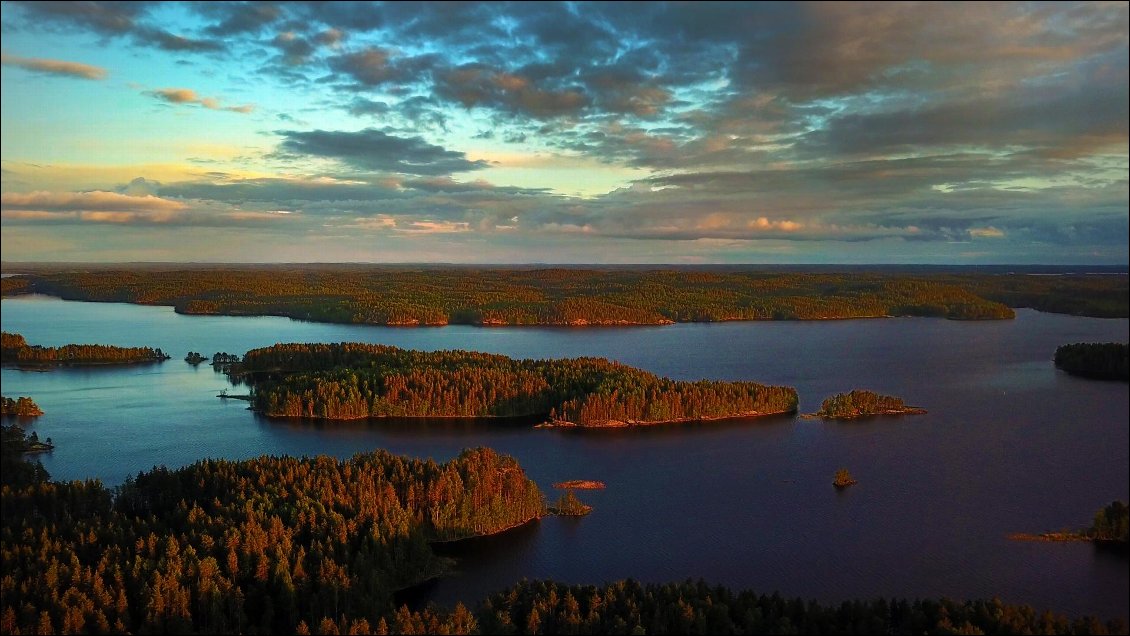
[
  {"x": 439, "y": 296},
  {"x": 267, "y": 545},
  {"x": 630, "y": 607},
  {"x": 1099, "y": 360},
  {"x": 1112, "y": 523},
  {"x": 19, "y": 407},
  {"x": 317, "y": 545},
  {"x": 357, "y": 380},
  {"x": 860, "y": 403},
  {"x": 14, "y": 349}
]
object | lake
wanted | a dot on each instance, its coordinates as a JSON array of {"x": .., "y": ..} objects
[{"x": 1010, "y": 445}]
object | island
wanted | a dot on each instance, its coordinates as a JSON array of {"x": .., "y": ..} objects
[
  {"x": 843, "y": 479},
  {"x": 19, "y": 407},
  {"x": 858, "y": 404},
  {"x": 568, "y": 505},
  {"x": 579, "y": 484},
  {"x": 1111, "y": 525},
  {"x": 15, "y": 351},
  {"x": 194, "y": 358},
  {"x": 1095, "y": 360},
  {"x": 346, "y": 381}
]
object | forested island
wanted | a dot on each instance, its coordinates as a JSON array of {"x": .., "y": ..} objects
[
  {"x": 267, "y": 545},
  {"x": 14, "y": 350},
  {"x": 567, "y": 505},
  {"x": 356, "y": 380},
  {"x": 194, "y": 358},
  {"x": 317, "y": 545},
  {"x": 19, "y": 407},
  {"x": 1100, "y": 361},
  {"x": 567, "y": 297},
  {"x": 843, "y": 479},
  {"x": 1111, "y": 525},
  {"x": 859, "y": 403}
]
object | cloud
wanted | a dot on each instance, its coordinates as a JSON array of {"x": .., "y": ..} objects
[
  {"x": 476, "y": 85},
  {"x": 189, "y": 96},
  {"x": 376, "y": 66},
  {"x": 96, "y": 207},
  {"x": 113, "y": 19},
  {"x": 373, "y": 150},
  {"x": 237, "y": 18},
  {"x": 55, "y": 67},
  {"x": 985, "y": 232}
]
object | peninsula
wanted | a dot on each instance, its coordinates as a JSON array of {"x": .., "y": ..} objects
[
  {"x": 1095, "y": 360},
  {"x": 15, "y": 351},
  {"x": 1111, "y": 525}
]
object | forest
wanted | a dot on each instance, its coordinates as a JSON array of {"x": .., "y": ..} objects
[
  {"x": 1097, "y": 360},
  {"x": 14, "y": 350},
  {"x": 267, "y": 545},
  {"x": 317, "y": 545},
  {"x": 399, "y": 295},
  {"x": 858, "y": 403},
  {"x": 630, "y": 607},
  {"x": 19, "y": 407},
  {"x": 1112, "y": 523},
  {"x": 357, "y": 380}
]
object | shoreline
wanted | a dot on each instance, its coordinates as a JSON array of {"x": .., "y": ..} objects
[
  {"x": 578, "y": 323},
  {"x": 1052, "y": 537},
  {"x": 520, "y": 524},
  {"x": 910, "y": 410},
  {"x": 747, "y": 415}
]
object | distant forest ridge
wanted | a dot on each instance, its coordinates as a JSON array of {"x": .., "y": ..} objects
[
  {"x": 433, "y": 295},
  {"x": 415, "y": 296}
]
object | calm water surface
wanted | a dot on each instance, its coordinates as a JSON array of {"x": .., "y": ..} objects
[{"x": 1010, "y": 445}]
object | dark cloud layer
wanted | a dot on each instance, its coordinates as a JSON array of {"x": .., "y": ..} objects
[{"x": 371, "y": 149}]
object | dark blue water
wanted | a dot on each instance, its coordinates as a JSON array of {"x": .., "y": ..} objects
[{"x": 1010, "y": 445}]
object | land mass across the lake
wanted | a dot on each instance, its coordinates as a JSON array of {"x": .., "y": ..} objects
[{"x": 573, "y": 297}]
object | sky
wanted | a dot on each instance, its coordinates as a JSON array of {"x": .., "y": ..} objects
[{"x": 480, "y": 132}]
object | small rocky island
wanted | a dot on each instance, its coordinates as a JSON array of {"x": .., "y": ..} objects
[
  {"x": 579, "y": 484},
  {"x": 569, "y": 506},
  {"x": 843, "y": 479},
  {"x": 194, "y": 358},
  {"x": 859, "y": 404}
]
